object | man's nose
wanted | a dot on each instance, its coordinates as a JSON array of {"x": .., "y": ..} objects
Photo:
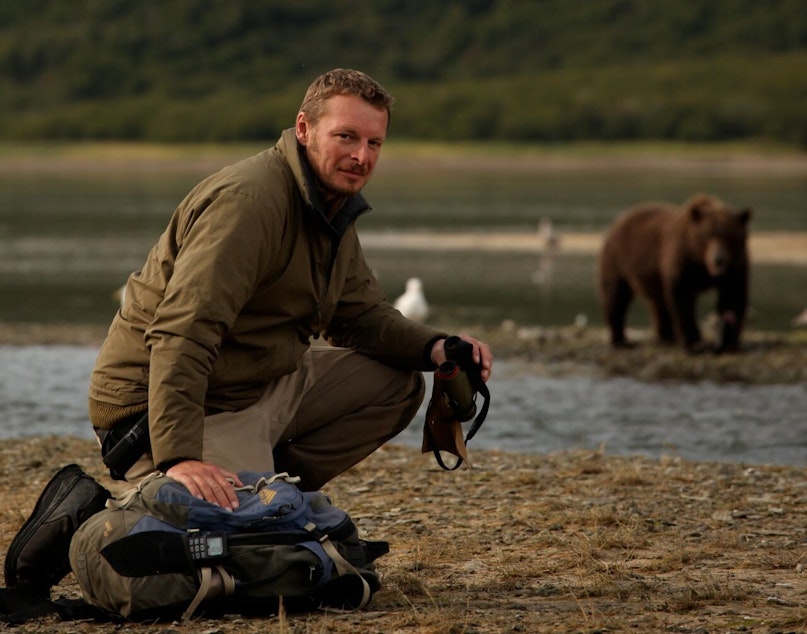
[{"x": 361, "y": 153}]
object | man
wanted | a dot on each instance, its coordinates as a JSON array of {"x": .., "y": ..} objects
[
  {"x": 212, "y": 343},
  {"x": 213, "y": 337}
]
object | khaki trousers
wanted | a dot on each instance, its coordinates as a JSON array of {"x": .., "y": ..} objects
[{"x": 316, "y": 422}]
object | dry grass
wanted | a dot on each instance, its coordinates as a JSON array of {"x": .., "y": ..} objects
[{"x": 571, "y": 542}]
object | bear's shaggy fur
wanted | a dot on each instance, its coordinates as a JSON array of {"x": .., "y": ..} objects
[{"x": 668, "y": 255}]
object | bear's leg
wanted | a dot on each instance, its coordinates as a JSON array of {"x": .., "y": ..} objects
[
  {"x": 681, "y": 296},
  {"x": 729, "y": 332},
  {"x": 731, "y": 302},
  {"x": 663, "y": 322},
  {"x": 617, "y": 296},
  {"x": 685, "y": 323}
]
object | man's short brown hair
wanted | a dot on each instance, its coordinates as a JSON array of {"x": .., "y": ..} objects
[{"x": 341, "y": 81}]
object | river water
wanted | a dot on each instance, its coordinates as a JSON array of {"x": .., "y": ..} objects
[{"x": 43, "y": 391}]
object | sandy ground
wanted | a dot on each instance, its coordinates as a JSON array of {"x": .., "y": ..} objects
[{"x": 568, "y": 542}]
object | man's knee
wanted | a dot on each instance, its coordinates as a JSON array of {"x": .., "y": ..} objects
[{"x": 413, "y": 389}]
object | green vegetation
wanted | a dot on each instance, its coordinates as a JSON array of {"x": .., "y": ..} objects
[{"x": 507, "y": 70}]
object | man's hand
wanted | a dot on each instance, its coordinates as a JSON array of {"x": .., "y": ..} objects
[
  {"x": 481, "y": 355},
  {"x": 207, "y": 481}
]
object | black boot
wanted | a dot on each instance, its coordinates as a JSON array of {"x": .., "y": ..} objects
[{"x": 38, "y": 556}]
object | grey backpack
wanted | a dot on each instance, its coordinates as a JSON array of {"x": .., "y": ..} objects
[{"x": 160, "y": 552}]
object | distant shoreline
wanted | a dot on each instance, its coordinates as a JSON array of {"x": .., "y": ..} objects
[
  {"x": 716, "y": 159},
  {"x": 769, "y": 247}
]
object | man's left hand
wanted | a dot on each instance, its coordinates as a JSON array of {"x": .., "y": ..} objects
[{"x": 481, "y": 355}]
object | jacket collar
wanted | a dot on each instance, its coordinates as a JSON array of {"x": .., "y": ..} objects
[{"x": 307, "y": 183}]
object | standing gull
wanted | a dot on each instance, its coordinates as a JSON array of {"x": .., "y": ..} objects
[{"x": 412, "y": 303}]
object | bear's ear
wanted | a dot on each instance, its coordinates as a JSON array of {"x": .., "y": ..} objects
[
  {"x": 698, "y": 206},
  {"x": 744, "y": 215}
]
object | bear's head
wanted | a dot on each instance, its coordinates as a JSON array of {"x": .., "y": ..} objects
[{"x": 718, "y": 233}]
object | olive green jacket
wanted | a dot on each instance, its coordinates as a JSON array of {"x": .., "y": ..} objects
[{"x": 247, "y": 270}]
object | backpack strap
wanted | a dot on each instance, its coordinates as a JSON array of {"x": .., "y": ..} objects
[
  {"x": 124, "y": 499},
  {"x": 264, "y": 481},
  {"x": 343, "y": 566},
  {"x": 149, "y": 553},
  {"x": 213, "y": 583}
]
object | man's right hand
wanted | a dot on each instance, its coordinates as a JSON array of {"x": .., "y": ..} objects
[{"x": 207, "y": 482}]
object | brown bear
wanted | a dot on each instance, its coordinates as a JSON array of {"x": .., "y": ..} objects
[{"x": 668, "y": 255}]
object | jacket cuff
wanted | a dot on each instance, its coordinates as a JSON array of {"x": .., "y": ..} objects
[
  {"x": 428, "y": 364},
  {"x": 167, "y": 464}
]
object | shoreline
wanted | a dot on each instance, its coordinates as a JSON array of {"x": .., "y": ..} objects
[
  {"x": 765, "y": 357},
  {"x": 765, "y": 247},
  {"x": 565, "y": 541}
]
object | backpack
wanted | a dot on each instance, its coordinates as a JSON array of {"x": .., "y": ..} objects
[{"x": 160, "y": 552}]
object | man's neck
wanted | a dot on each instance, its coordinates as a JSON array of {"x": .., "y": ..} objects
[{"x": 333, "y": 203}]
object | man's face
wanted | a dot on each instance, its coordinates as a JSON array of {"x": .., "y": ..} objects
[{"x": 344, "y": 145}]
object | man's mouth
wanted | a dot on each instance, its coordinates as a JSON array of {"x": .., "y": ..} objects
[{"x": 356, "y": 171}]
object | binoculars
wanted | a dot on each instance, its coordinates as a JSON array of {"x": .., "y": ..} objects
[{"x": 456, "y": 384}]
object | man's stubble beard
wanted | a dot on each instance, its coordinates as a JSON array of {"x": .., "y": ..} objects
[{"x": 313, "y": 149}]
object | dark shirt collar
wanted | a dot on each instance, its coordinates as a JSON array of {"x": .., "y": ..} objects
[{"x": 351, "y": 206}]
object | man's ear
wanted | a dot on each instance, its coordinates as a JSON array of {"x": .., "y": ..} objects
[{"x": 302, "y": 129}]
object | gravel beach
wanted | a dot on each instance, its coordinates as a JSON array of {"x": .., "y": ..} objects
[
  {"x": 577, "y": 541},
  {"x": 567, "y": 542}
]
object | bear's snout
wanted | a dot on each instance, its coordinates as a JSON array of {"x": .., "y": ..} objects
[{"x": 717, "y": 257}]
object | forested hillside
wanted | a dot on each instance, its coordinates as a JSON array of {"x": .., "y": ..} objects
[{"x": 533, "y": 70}]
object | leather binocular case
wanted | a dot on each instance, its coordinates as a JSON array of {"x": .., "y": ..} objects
[{"x": 452, "y": 403}]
